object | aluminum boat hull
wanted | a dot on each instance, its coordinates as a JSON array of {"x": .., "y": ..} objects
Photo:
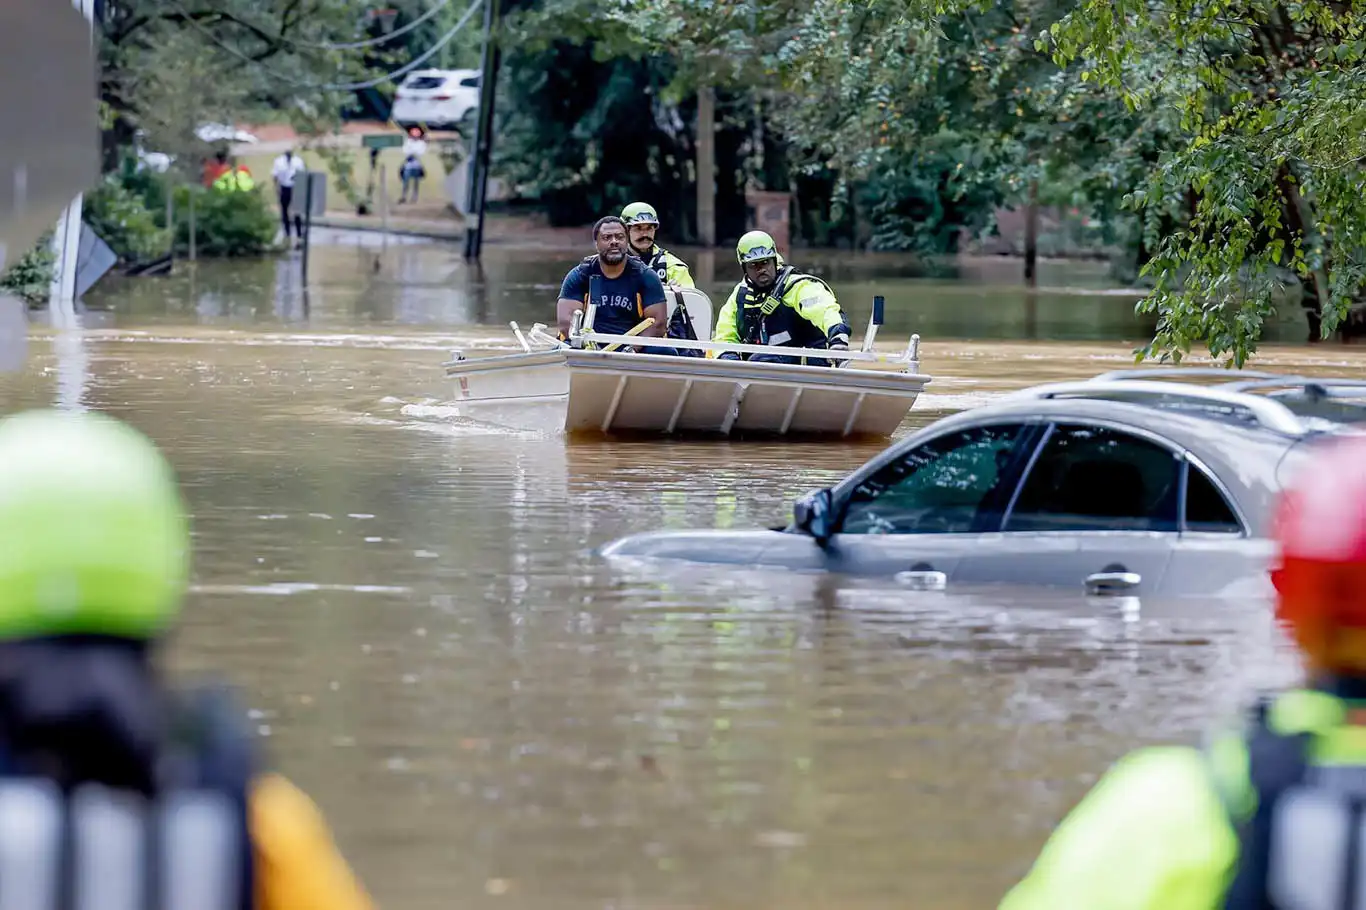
[{"x": 593, "y": 391}]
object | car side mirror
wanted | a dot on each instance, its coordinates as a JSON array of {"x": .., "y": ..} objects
[{"x": 814, "y": 515}]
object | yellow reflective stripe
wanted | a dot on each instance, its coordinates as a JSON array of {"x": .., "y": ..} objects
[
  {"x": 1305, "y": 711},
  {"x": 1226, "y": 754},
  {"x": 1339, "y": 746},
  {"x": 815, "y": 302},
  {"x": 676, "y": 271}
]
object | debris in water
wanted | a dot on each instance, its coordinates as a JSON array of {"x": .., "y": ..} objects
[{"x": 780, "y": 839}]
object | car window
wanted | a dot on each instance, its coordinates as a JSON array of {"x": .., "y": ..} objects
[
  {"x": 1206, "y": 508},
  {"x": 944, "y": 486},
  {"x": 470, "y": 82},
  {"x": 425, "y": 82},
  {"x": 1089, "y": 478}
]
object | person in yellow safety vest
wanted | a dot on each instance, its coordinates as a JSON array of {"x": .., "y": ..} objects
[
  {"x": 777, "y": 305},
  {"x": 1268, "y": 815},
  {"x": 642, "y": 221},
  {"x": 235, "y": 179},
  {"x": 114, "y": 789}
]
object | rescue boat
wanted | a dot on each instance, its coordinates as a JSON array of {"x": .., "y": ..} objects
[{"x": 595, "y": 383}]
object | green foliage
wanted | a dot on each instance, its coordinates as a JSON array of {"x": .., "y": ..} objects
[
  {"x": 1221, "y": 144},
  {"x": 122, "y": 219},
  {"x": 30, "y": 276},
  {"x": 923, "y": 202},
  {"x": 1266, "y": 165},
  {"x": 170, "y": 66},
  {"x": 226, "y": 223}
]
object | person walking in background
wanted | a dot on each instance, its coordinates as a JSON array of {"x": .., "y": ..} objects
[
  {"x": 217, "y": 167},
  {"x": 285, "y": 172},
  {"x": 412, "y": 173}
]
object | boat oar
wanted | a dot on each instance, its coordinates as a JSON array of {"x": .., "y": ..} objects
[{"x": 636, "y": 330}]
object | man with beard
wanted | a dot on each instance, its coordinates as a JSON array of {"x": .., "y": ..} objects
[
  {"x": 642, "y": 221},
  {"x": 777, "y": 305},
  {"x": 624, "y": 288}
]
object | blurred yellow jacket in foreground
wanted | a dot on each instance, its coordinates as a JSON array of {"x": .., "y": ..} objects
[{"x": 298, "y": 865}]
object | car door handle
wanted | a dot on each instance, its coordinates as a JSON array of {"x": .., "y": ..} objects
[
  {"x": 926, "y": 580},
  {"x": 1112, "y": 582}
]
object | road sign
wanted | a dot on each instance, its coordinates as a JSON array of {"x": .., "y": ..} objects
[
  {"x": 383, "y": 140},
  {"x": 316, "y": 193}
]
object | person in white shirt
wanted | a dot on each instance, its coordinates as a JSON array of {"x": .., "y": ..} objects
[
  {"x": 412, "y": 171},
  {"x": 286, "y": 169}
]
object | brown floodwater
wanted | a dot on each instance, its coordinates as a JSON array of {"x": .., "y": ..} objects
[{"x": 490, "y": 716}]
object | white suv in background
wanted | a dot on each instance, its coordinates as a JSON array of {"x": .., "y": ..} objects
[{"x": 437, "y": 99}]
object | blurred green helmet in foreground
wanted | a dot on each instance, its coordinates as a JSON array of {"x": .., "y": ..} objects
[{"x": 93, "y": 533}]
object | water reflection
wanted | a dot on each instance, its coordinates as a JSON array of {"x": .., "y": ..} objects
[{"x": 430, "y": 285}]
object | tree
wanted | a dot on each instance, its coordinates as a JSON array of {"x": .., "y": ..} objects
[
  {"x": 943, "y": 113},
  {"x": 167, "y": 66},
  {"x": 1268, "y": 164}
]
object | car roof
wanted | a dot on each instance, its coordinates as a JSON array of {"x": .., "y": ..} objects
[
  {"x": 414, "y": 74},
  {"x": 1249, "y": 443}
]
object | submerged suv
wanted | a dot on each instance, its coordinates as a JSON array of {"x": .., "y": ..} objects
[{"x": 1133, "y": 482}]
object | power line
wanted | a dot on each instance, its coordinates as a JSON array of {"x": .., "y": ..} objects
[
  {"x": 338, "y": 86},
  {"x": 415, "y": 62},
  {"x": 371, "y": 42}
]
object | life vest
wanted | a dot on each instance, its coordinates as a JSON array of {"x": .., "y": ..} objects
[
  {"x": 768, "y": 319},
  {"x": 1302, "y": 846},
  {"x": 236, "y": 178},
  {"x": 98, "y": 848},
  {"x": 680, "y": 323}
]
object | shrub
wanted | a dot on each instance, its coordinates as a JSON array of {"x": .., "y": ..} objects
[
  {"x": 122, "y": 219},
  {"x": 30, "y": 277},
  {"x": 226, "y": 223}
]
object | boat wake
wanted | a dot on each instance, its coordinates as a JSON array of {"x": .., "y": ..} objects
[{"x": 448, "y": 418}]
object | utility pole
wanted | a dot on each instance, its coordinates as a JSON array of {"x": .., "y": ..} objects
[
  {"x": 706, "y": 162},
  {"x": 66, "y": 239},
  {"x": 483, "y": 133}
]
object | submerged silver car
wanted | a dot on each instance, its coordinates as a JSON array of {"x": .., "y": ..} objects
[{"x": 1136, "y": 482}]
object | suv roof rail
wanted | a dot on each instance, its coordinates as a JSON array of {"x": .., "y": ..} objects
[
  {"x": 1267, "y": 412},
  {"x": 1161, "y": 373},
  {"x": 1317, "y": 386}
]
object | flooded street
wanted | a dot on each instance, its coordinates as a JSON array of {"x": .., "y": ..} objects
[{"x": 490, "y": 716}]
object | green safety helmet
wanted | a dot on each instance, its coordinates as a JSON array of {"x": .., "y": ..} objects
[
  {"x": 640, "y": 213},
  {"x": 94, "y": 538},
  {"x": 756, "y": 246}
]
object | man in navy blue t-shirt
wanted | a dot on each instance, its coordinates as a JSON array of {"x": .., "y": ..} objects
[{"x": 627, "y": 289}]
